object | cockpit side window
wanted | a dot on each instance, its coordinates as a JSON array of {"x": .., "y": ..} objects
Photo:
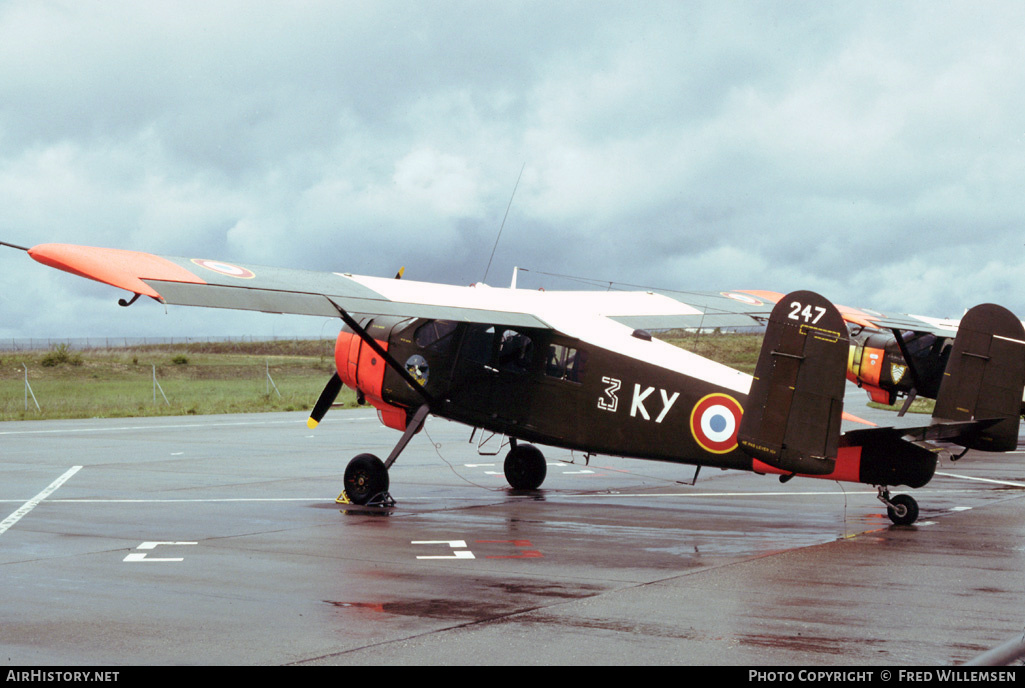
[{"x": 435, "y": 335}]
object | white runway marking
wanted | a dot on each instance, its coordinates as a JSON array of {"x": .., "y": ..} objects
[
  {"x": 788, "y": 495},
  {"x": 180, "y": 501},
  {"x": 31, "y": 504},
  {"x": 1010, "y": 483},
  {"x": 142, "y": 556},
  {"x": 172, "y": 426}
]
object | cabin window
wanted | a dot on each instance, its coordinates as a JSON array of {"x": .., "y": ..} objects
[
  {"x": 477, "y": 343},
  {"x": 515, "y": 351},
  {"x": 435, "y": 335},
  {"x": 565, "y": 363}
]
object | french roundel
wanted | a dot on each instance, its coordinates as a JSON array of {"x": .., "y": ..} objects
[
  {"x": 714, "y": 422},
  {"x": 743, "y": 298},
  {"x": 224, "y": 268}
]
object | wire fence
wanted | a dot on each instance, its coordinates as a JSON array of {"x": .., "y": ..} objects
[
  {"x": 99, "y": 343},
  {"x": 133, "y": 381}
]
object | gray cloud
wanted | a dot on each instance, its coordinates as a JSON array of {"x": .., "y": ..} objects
[{"x": 871, "y": 151}]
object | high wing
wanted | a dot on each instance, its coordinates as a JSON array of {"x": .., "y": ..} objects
[
  {"x": 212, "y": 283},
  {"x": 729, "y": 308},
  {"x": 201, "y": 282}
]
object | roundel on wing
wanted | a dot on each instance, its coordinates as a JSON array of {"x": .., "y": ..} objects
[
  {"x": 224, "y": 268},
  {"x": 714, "y": 422},
  {"x": 743, "y": 298}
]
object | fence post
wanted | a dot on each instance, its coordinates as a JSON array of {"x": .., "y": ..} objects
[
  {"x": 270, "y": 381},
  {"x": 28, "y": 390},
  {"x": 156, "y": 386}
]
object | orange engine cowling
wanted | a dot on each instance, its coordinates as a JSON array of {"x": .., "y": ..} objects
[{"x": 362, "y": 369}]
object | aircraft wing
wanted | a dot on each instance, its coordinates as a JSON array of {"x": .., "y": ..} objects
[
  {"x": 211, "y": 283},
  {"x": 752, "y": 307},
  {"x": 202, "y": 282}
]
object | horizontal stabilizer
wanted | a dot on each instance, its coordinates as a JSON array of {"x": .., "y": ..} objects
[
  {"x": 984, "y": 380},
  {"x": 792, "y": 420}
]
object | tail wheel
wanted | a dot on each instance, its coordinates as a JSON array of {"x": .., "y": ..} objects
[
  {"x": 525, "y": 467},
  {"x": 903, "y": 510},
  {"x": 365, "y": 478}
]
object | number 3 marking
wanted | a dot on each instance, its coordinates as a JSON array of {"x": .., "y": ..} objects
[{"x": 799, "y": 312}]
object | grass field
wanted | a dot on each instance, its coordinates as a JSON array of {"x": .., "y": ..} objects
[
  {"x": 739, "y": 351},
  {"x": 201, "y": 378}
]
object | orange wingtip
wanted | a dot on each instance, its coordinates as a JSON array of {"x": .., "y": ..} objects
[
  {"x": 854, "y": 419},
  {"x": 116, "y": 267},
  {"x": 857, "y": 317},
  {"x": 770, "y": 296}
]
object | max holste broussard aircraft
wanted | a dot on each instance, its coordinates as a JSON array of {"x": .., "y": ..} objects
[{"x": 580, "y": 370}]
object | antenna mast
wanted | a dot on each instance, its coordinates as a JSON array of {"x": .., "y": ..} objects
[{"x": 515, "y": 186}]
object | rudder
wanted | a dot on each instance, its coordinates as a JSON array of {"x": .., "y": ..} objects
[
  {"x": 794, "y": 410},
  {"x": 984, "y": 378}
]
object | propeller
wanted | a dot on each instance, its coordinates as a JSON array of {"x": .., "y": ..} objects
[{"x": 327, "y": 397}]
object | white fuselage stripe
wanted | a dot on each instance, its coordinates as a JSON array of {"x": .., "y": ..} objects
[{"x": 583, "y": 315}]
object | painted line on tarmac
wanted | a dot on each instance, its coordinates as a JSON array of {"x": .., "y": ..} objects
[
  {"x": 172, "y": 426},
  {"x": 185, "y": 501},
  {"x": 1009, "y": 483},
  {"x": 788, "y": 495},
  {"x": 718, "y": 494},
  {"x": 31, "y": 504}
]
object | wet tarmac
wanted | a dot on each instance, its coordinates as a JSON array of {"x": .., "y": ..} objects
[{"x": 217, "y": 540}]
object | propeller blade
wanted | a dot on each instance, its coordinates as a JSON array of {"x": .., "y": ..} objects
[
  {"x": 912, "y": 395},
  {"x": 402, "y": 270},
  {"x": 327, "y": 397}
]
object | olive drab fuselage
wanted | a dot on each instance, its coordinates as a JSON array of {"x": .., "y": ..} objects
[{"x": 539, "y": 386}]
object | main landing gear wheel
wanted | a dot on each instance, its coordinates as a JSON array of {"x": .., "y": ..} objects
[
  {"x": 902, "y": 510},
  {"x": 525, "y": 467},
  {"x": 366, "y": 479}
]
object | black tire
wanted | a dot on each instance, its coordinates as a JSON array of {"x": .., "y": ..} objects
[
  {"x": 525, "y": 467},
  {"x": 904, "y": 511},
  {"x": 365, "y": 478}
]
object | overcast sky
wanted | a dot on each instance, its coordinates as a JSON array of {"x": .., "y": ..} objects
[{"x": 874, "y": 152}]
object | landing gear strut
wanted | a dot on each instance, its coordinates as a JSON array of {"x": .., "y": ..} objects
[
  {"x": 902, "y": 509},
  {"x": 525, "y": 467}
]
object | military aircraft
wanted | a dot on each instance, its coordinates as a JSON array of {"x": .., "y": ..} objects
[{"x": 581, "y": 370}]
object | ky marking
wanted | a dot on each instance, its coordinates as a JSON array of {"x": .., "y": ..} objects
[
  {"x": 610, "y": 402},
  {"x": 637, "y": 404}
]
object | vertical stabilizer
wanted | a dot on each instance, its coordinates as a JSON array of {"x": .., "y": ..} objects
[
  {"x": 792, "y": 418},
  {"x": 984, "y": 378}
]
